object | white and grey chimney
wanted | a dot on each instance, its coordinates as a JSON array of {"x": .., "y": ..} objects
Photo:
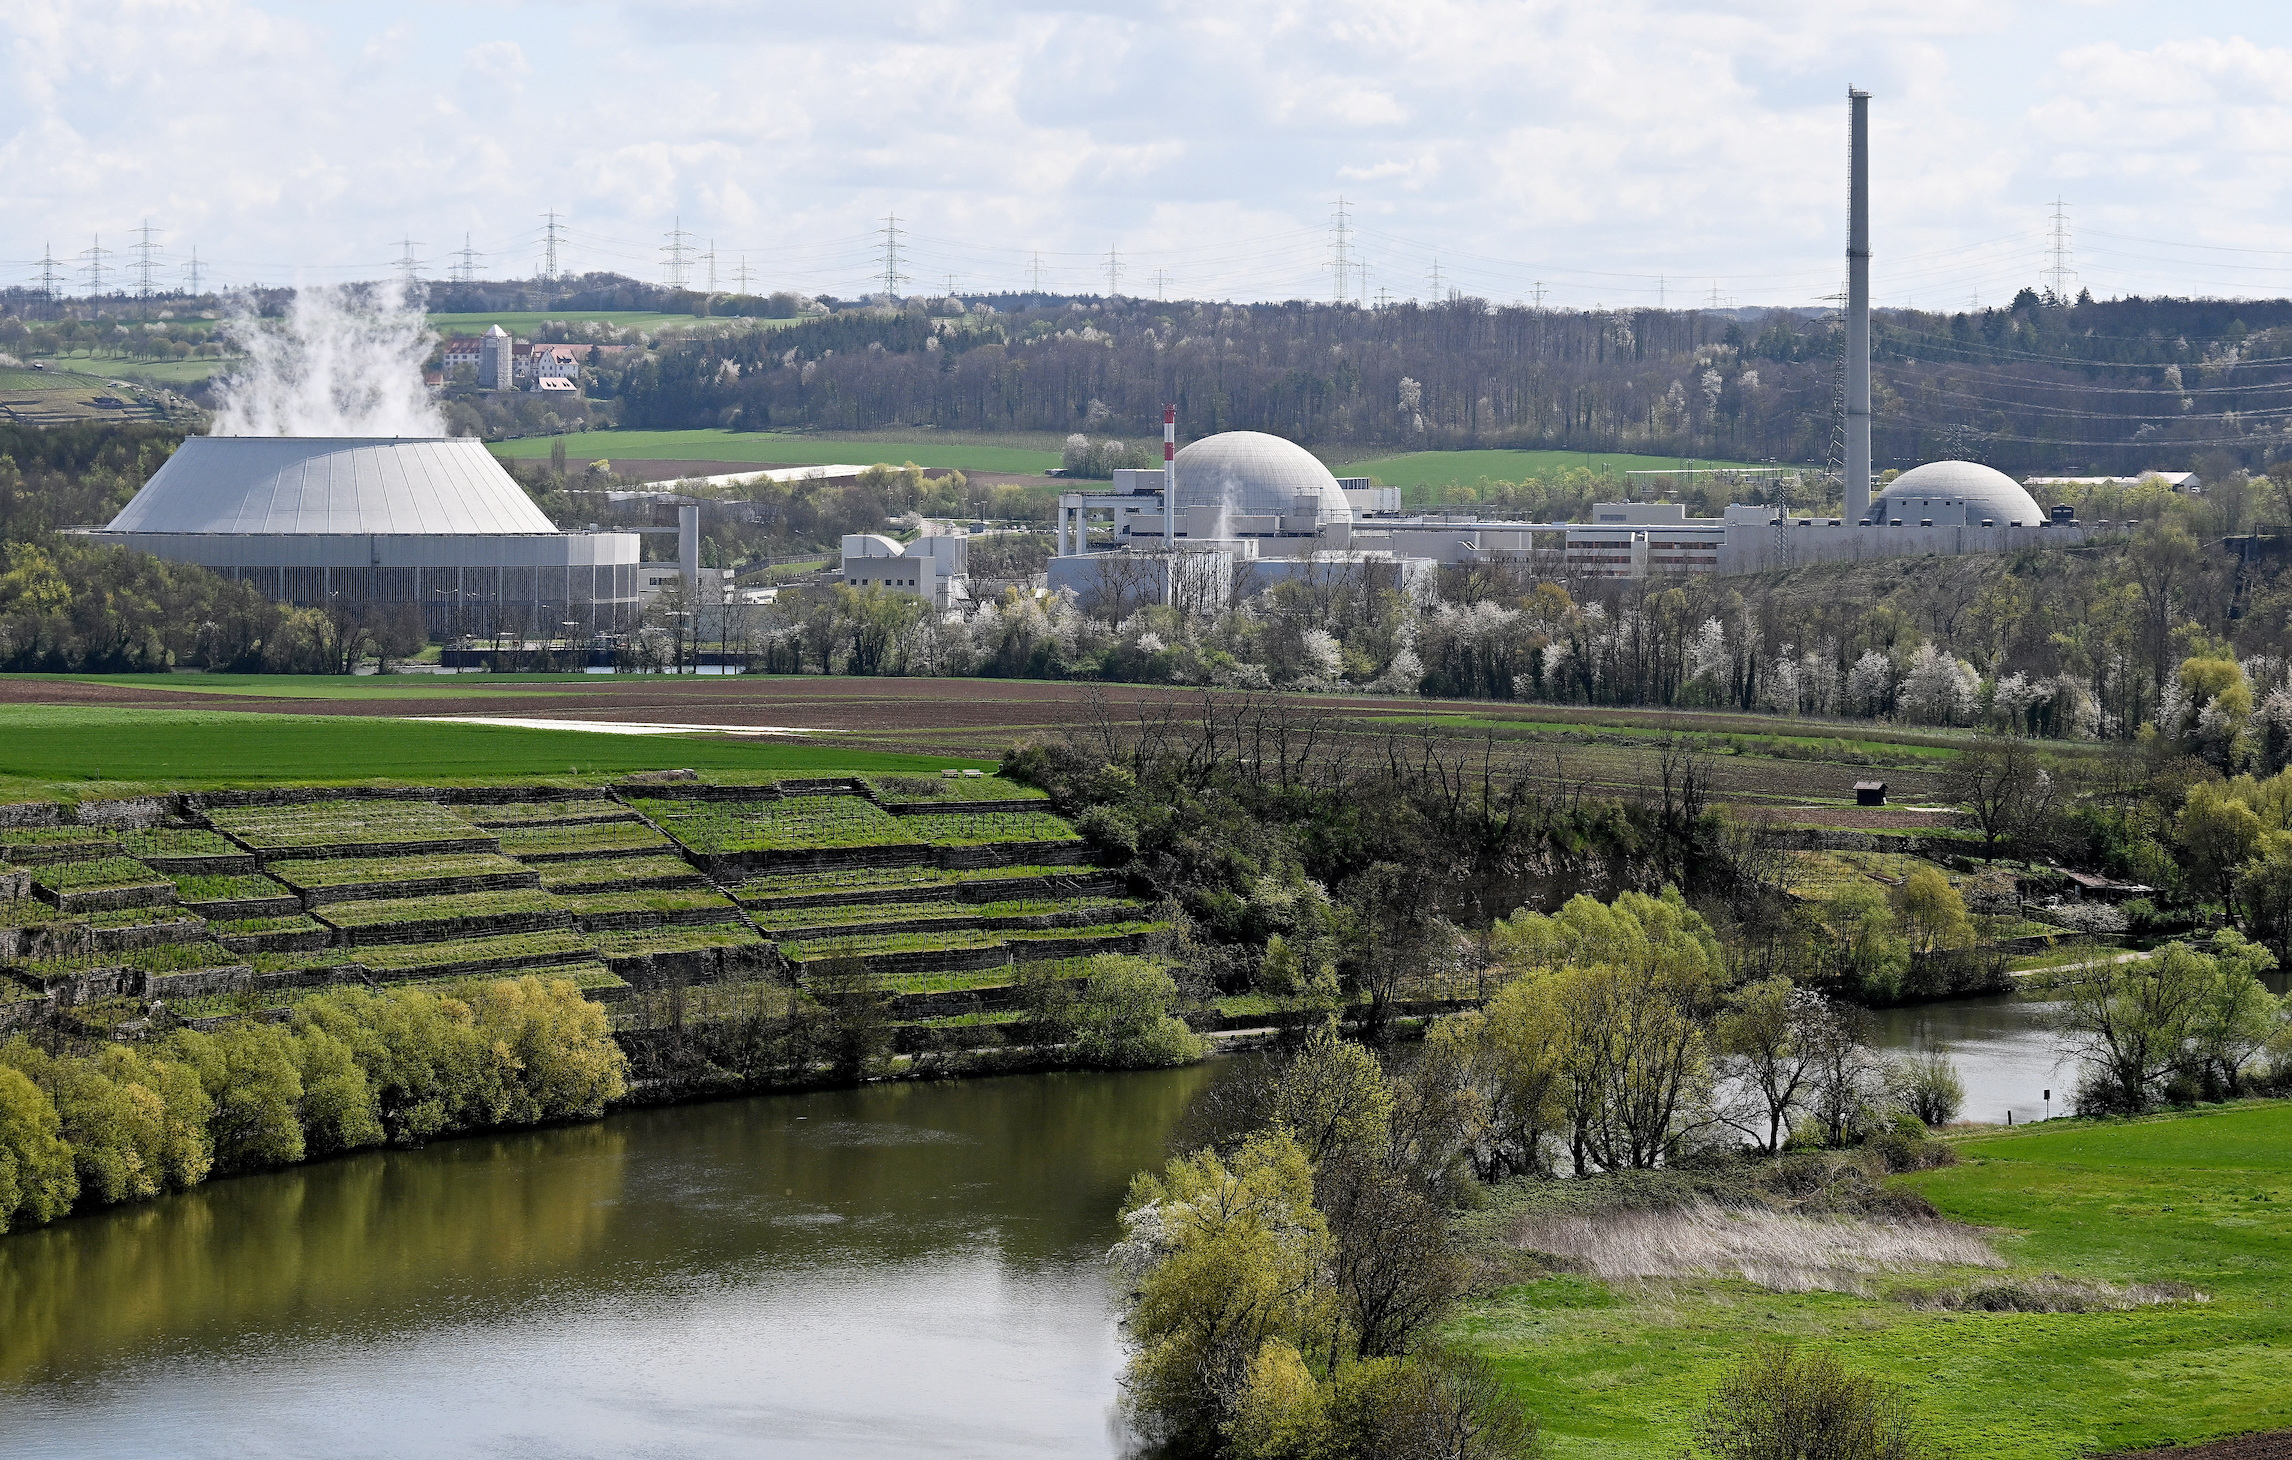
[{"x": 1858, "y": 311}]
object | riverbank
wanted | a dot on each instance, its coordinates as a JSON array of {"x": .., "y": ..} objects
[{"x": 2096, "y": 1213}]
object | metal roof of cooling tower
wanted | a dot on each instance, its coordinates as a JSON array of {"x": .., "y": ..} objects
[{"x": 331, "y": 484}]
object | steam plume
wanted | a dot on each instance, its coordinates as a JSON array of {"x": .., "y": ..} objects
[{"x": 340, "y": 364}]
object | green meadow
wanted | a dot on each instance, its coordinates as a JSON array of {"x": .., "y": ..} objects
[
  {"x": 96, "y": 752},
  {"x": 2202, "y": 1200},
  {"x": 953, "y": 453},
  {"x": 1420, "y": 474}
]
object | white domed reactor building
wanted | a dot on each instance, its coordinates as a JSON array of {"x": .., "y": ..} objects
[
  {"x": 1955, "y": 494},
  {"x": 434, "y": 523}
]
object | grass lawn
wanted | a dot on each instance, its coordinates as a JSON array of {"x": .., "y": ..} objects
[
  {"x": 2202, "y": 1199},
  {"x": 50, "y": 750},
  {"x": 1435, "y": 469},
  {"x": 952, "y": 452},
  {"x": 344, "y": 686}
]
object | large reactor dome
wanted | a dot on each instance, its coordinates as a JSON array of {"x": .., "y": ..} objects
[
  {"x": 432, "y": 526},
  {"x": 1956, "y": 494},
  {"x": 1257, "y": 474}
]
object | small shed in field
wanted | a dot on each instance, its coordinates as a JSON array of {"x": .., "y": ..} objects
[{"x": 1870, "y": 793}]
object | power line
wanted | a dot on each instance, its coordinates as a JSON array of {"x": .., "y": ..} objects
[
  {"x": 2058, "y": 273},
  {"x": 93, "y": 268},
  {"x": 549, "y": 248},
  {"x": 892, "y": 277},
  {"x": 677, "y": 250},
  {"x": 144, "y": 250}
]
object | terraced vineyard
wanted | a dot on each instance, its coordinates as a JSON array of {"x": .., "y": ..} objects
[{"x": 222, "y": 905}]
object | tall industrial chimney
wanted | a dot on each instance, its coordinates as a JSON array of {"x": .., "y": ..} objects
[
  {"x": 1170, "y": 503},
  {"x": 1858, "y": 313}
]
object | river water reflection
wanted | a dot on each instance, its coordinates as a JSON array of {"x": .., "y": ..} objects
[{"x": 905, "y": 1270}]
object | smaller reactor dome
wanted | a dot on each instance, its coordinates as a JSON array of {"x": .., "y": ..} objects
[
  {"x": 1956, "y": 494},
  {"x": 1254, "y": 473}
]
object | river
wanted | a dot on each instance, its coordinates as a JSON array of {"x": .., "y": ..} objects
[{"x": 904, "y": 1270}]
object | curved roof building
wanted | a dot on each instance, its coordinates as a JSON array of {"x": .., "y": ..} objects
[
  {"x": 331, "y": 484},
  {"x": 433, "y": 523},
  {"x": 1956, "y": 494},
  {"x": 1251, "y": 473}
]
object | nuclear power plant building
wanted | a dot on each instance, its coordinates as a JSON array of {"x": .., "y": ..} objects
[{"x": 434, "y": 523}]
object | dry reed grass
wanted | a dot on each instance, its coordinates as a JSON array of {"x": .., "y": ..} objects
[{"x": 1782, "y": 1251}]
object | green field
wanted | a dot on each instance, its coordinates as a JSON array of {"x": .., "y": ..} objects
[
  {"x": 528, "y": 320},
  {"x": 48, "y": 750},
  {"x": 2200, "y": 1199},
  {"x": 1436, "y": 469},
  {"x": 344, "y": 686},
  {"x": 953, "y": 453}
]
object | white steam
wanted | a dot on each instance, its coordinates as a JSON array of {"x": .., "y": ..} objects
[{"x": 341, "y": 363}]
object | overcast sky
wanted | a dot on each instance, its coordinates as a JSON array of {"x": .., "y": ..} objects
[{"x": 1606, "y": 151}]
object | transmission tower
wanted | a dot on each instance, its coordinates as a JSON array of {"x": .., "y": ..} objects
[
  {"x": 1340, "y": 234},
  {"x": 549, "y": 247},
  {"x": 892, "y": 233},
  {"x": 679, "y": 252},
  {"x": 1038, "y": 271},
  {"x": 1436, "y": 278},
  {"x": 1538, "y": 292},
  {"x": 192, "y": 269},
  {"x": 740, "y": 273},
  {"x": 93, "y": 268},
  {"x": 1662, "y": 286},
  {"x": 1835, "y": 462},
  {"x": 467, "y": 270},
  {"x": 145, "y": 251},
  {"x": 2058, "y": 273},
  {"x": 50, "y": 273},
  {"x": 1113, "y": 272},
  {"x": 712, "y": 266},
  {"x": 409, "y": 267},
  {"x": 1714, "y": 294},
  {"x": 1161, "y": 283}
]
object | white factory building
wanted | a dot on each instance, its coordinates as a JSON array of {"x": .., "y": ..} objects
[
  {"x": 433, "y": 523},
  {"x": 935, "y": 568},
  {"x": 1254, "y": 509}
]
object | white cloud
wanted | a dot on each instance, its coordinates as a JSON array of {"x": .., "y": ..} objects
[{"x": 1590, "y": 147}]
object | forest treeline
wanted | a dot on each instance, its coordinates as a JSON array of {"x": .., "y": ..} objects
[{"x": 2121, "y": 386}]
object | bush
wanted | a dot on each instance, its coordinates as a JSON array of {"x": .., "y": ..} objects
[
  {"x": 1931, "y": 1088},
  {"x": 1781, "y": 1402},
  {"x": 1116, "y": 1017},
  {"x": 37, "y": 1180}
]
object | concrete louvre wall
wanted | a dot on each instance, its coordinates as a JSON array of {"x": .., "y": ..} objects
[{"x": 1752, "y": 548}]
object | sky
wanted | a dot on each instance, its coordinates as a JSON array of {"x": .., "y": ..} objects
[{"x": 1596, "y": 153}]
